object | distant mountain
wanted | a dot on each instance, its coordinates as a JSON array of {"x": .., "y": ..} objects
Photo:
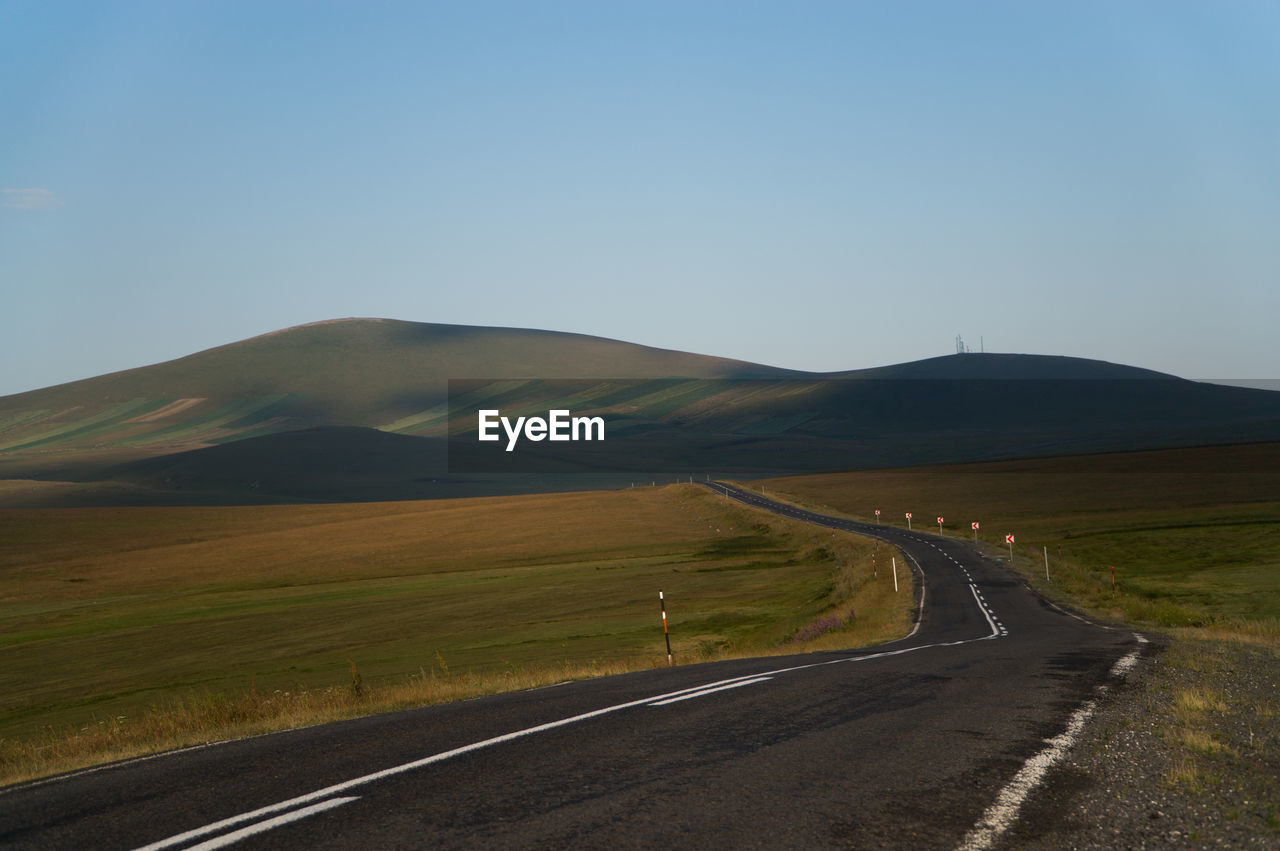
[
  {"x": 359, "y": 409},
  {"x": 992, "y": 366},
  {"x": 349, "y": 372}
]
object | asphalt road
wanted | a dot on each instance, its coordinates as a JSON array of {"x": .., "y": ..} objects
[{"x": 909, "y": 744}]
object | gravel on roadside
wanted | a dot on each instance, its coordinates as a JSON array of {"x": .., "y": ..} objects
[{"x": 1185, "y": 753}]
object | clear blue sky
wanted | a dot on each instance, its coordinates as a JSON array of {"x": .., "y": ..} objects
[{"x": 812, "y": 185}]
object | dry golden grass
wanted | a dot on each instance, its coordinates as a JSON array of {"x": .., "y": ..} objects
[
  {"x": 1190, "y": 703},
  {"x": 1260, "y": 632},
  {"x": 124, "y": 631},
  {"x": 1198, "y": 741},
  {"x": 193, "y": 718},
  {"x": 1185, "y": 773}
]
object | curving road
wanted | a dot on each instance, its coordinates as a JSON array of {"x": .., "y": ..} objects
[{"x": 925, "y": 742}]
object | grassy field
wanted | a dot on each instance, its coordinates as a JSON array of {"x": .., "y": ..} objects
[
  {"x": 132, "y": 629},
  {"x": 127, "y": 630},
  {"x": 1193, "y": 534},
  {"x": 1194, "y": 538}
]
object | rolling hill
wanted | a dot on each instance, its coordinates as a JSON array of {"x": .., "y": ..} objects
[
  {"x": 360, "y": 409},
  {"x": 351, "y": 372}
]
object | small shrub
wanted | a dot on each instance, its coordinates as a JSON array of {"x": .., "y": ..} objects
[{"x": 820, "y": 626}]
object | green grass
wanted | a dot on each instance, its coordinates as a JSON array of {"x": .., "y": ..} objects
[
  {"x": 131, "y": 629},
  {"x": 1210, "y": 570},
  {"x": 1193, "y": 534}
]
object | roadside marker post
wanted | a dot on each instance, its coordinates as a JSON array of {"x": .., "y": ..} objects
[
  {"x": 939, "y": 525},
  {"x": 663, "y": 603},
  {"x": 895, "y": 574},
  {"x": 877, "y": 517},
  {"x": 1046, "y": 564},
  {"x": 975, "y": 531},
  {"x": 1008, "y": 539},
  {"x": 908, "y": 521}
]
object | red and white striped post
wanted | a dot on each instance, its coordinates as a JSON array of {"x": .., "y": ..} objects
[{"x": 665, "y": 634}]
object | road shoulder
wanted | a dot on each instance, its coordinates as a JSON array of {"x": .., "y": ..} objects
[{"x": 1185, "y": 752}]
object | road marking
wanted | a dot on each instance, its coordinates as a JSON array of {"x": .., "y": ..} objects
[
  {"x": 321, "y": 794},
  {"x": 696, "y": 691},
  {"x": 1123, "y": 666},
  {"x": 924, "y": 589},
  {"x": 269, "y": 824},
  {"x": 707, "y": 691},
  {"x": 706, "y": 688},
  {"x": 983, "y": 606},
  {"x": 1069, "y": 614},
  {"x": 1002, "y": 813},
  {"x": 324, "y": 801}
]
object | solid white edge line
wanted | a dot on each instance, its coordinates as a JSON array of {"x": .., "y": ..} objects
[
  {"x": 994, "y": 629},
  {"x": 707, "y": 691},
  {"x": 321, "y": 794},
  {"x": 1123, "y": 666},
  {"x": 270, "y": 824},
  {"x": 924, "y": 589},
  {"x": 759, "y": 502},
  {"x": 1001, "y": 814},
  {"x": 1004, "y": 811}
]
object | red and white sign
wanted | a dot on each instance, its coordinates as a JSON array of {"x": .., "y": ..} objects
[
  {"x": 877, "y": 512},
  {"x": 908, "y": 515},
  {"x": 939, "y": 521},
  {"x": 974, "y": 526},
  {"x": 1008, "y": 539}
]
